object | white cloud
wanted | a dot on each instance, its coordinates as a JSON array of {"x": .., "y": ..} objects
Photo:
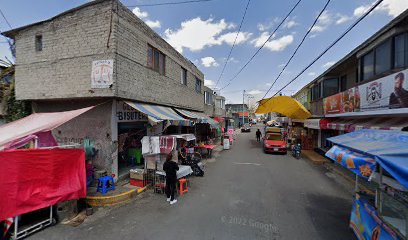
[
  {"x": 313, "y": 36},
  {"x": 281, "y": 65},
  {"x": 143, "y": 15},
  {"x": 275, "y": 45},
  {"x": 268, "y": 84},
  {"x": 342, "y": 18},
  {"x": 324, "y": 21},
  {"x": 290, "y": 24},
  {"x": 230, "y": 37},
  {"x": 153, "y": 24},
  {"x": 209, "y": 83},
  {"x": 312, "y": 74},
  {"x": 209, "y": 62},
  {"x": 391, "y": 7},
  {"x": 328, "y": 64},
  {"x": 196, "y": 34},
  {"x": 254, "y": 92},
  {"x": 139, "y": 13},
  {"x": 268, "y": 25}
]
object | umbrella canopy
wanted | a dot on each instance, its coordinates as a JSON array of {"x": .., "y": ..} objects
[{"x": 284, "y": 105}]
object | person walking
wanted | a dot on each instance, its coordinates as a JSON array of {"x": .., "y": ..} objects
[
  {"x": 258, "y": 135},
  {"x": 171, "y": 168}
]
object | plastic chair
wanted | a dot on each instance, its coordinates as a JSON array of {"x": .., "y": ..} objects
[
  {"x": 183, "y": 186},
  {"x": 105, "y": 184}
]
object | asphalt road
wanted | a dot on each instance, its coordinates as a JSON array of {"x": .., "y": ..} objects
[{"x": 245, "y": 194}]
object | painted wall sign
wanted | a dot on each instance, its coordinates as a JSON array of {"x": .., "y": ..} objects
[
  {"x": 126, "y": 113},
  {"x": 102, "y": 74}
]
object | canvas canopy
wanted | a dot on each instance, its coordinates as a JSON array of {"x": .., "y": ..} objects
[
  {"x": 284, "y": 105},
  {"x": 388, "y": 148},
  {"x": 35, "y": 123},
  {"x": 157, "y": 113},
  {"x": 199, "y": 117}
]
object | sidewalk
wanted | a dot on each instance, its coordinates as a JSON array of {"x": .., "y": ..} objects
[{"x": 315, "y": 157}]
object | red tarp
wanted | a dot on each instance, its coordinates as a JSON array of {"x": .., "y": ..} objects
[{"x": 38, "y": 178}]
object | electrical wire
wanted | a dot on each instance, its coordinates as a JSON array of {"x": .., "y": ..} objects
[
  {"x": 298, "y": 46},
  {"x": 5, "y": 19},
  {"x": 259, "y": 49},
  {"x": 168, "y": 3},
  {"x": 233, "y": 45},
  {"x": 329, "y": 47}
]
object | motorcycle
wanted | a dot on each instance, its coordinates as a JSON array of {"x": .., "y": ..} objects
[
  {"x": 296, "y": 151},
  {"x": 194, "y": 161}
]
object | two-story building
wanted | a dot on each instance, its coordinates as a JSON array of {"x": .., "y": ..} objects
[
  {"x": 368, "y": 88},
  {"x": 100, "y": 54},
  {"x": 240, "y": 113}
]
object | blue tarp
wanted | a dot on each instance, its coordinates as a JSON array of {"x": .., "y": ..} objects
[
  {"x": 388, "y": 148},
  {"x": 361, "y": 164}
]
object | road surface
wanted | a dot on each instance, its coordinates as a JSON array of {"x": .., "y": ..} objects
[{"x": 245, "y": 194}]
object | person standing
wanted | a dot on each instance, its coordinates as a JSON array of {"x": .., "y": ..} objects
[
  {"x": 258, "y": 135},
  {"x": 171, "y": 168}
]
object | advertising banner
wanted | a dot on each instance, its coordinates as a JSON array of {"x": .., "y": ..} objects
[
  {"x": 366, "y": 224},
  {"x": 384, "y": 93},
  {"x": 102, "y": 74}
]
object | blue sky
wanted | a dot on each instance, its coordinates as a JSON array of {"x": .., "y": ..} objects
[{"x": 204, "y": 33}]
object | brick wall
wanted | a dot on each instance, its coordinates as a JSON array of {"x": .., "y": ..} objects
[
  {"x": 137, "y": 81},
  {"x": 70, "y": 43}
]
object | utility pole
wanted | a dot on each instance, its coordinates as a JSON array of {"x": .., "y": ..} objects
[{"x": 243, "y": 104}]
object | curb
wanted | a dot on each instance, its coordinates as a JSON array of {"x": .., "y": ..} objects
[{"x": 101, "y": 201}]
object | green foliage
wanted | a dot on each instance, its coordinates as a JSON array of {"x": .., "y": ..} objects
[{"x": 15, "y": 109}]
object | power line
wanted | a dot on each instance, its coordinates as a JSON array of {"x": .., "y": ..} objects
[
  {"x": 329, "y": 47},
  {"x": 168, "y": 3},
  {"x": 5, "y": 19},
  {"x": 259, "y": 49},
  {"x": 233, "y": 45},
  {"x": 297, "y": 48}
]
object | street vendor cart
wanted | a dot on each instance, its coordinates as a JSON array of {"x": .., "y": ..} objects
[{"x": 379, "y": 156}]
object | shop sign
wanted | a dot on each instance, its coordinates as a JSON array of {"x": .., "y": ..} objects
[
  {"x": 312, "y": 123},
  {"x": 384, "y": 93},
  {"x": 126, "y": 113},
  {"x": 102, "y": 74},
  {"x": 347, "y": 101}
]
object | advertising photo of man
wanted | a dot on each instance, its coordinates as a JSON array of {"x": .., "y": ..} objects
[{"x": 399, "y": 98}]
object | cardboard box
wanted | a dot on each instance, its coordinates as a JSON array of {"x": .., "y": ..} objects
[{"x": 137, "y": 174}]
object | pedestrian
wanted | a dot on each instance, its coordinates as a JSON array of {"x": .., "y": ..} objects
[
  {"x": 258, "y": 135},
  {"x": 171, "y": 168}
]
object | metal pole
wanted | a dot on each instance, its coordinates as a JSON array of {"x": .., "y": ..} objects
[{"x": 243, "y": 103}]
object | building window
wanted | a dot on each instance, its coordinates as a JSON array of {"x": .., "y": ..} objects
[
  {"x": 316, "y": 92},
  {"x": 400, "y": 50},
  {"x": 367, "y": 66},
  {"x": 208, "y": 98},
  {"x": 183, "y": 76},
  {"x": 38, "y": 43},
  {"x": 330, "y": 87},
  {"x": 383, "y": 57},
  {"x": 198, "y": 85},
  {"x": 156, "y": 60},
  {"x": 343, "y": 83}
]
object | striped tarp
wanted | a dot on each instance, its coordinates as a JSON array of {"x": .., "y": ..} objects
[
  {"x": 199, "y": 117},
  {"x": 157, "y": 113}
]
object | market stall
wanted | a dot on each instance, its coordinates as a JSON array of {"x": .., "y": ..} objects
[{"x": 379, "y": 156}]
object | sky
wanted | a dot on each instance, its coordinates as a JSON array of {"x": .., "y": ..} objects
[{"x": 204, "y": 33}]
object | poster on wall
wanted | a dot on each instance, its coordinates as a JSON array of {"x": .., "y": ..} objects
[
  {"x": 332, "y": 104},
  {"x": 102, "y": 74},
  {"x": 126, "y": 113},
  {"x": 347, "y": 101},
  {"x": 385, "y": 93}
]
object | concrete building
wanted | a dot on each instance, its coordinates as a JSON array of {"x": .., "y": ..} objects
[
  {"x": 365, "y": 89},
  {"x": 100, "y": 54},
  {"x": 239, "y": 113}
]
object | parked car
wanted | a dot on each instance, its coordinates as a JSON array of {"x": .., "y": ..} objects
[
  {"x": 274, "y": 142},
  {"x": 246, "y": 128}
]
